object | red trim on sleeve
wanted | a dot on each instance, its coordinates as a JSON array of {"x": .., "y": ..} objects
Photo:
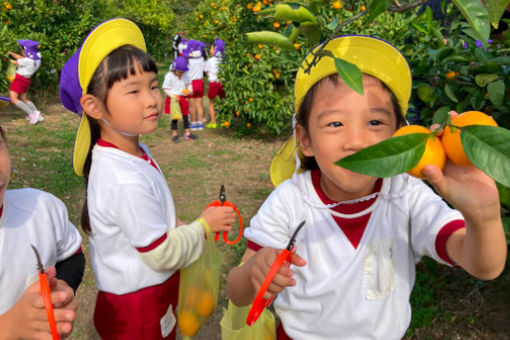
[
  {"x": 442, "y": 238},
  {"x": 1, "y": 210},
  {"x": 152, "y": 245},
  {"x": 253, "y": 246}
]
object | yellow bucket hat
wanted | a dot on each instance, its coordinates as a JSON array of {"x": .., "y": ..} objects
[
  {"x": 78, "y": 71},
  {"x": 373, "y": 56}
]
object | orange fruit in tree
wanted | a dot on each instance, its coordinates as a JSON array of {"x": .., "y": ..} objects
[
  {"x": 205, "y": 305},
  {"x": 451, "y": 137},
  {"x": 433, "y": 154},
  {"x": 276, "y": 24},
  {"x": 337, "y": 4},
  {"x": 363, "y": 8},
  {"x": 188, "y": 323},
  {"x": 256, "y": 56}
]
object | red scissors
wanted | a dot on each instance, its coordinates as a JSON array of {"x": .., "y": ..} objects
[
  {"x": 223, "y": 202},
  {"x": 45, "y": 293},
  {"x": 283, "y": 259}
]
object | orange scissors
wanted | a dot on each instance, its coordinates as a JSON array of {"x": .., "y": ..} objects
[
  {"x": 45, "y": 293},
  {"x": 223, "y": 202},
  {"x": 283, "y": 259}
]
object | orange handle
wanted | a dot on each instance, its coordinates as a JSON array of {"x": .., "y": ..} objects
[
  {"x": 45, "y": 293},
  {"x": 260, "y": 303},
  {"x": 217, "y": 203}
]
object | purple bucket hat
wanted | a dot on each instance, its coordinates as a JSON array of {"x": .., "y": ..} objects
[
  {"x": 31, "y": 48},
  {"x": 194, "y": 49},
  {"x": 179, "y": 64},
  {"x": 70, "y": 90},
  {"x": 219, "y": 46}
]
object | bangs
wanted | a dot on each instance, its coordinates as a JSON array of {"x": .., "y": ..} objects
[{"x": 128, "y": 60}]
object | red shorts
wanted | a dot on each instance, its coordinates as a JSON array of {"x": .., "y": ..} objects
[
  {"x": 198, "y": 88},
  {"x": 215, "y": 89},
  {"x": 183, "y": 103},
  {"x": 20, "y": 84},
  {"x": 136, "y": 315}
]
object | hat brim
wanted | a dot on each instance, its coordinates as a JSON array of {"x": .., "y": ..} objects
[
  {"x": 100, "y": 42},
  {"x": 372, "y": 56}
]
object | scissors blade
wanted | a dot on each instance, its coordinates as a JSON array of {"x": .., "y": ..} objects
[
  {"x": 39, "y": 263},
  {"x": 223, "y": 197},
  {"x": 293, "y": 238}
]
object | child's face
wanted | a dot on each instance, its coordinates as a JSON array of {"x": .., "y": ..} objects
[
  {"x": 5, "y": 169},
  {"x": 212, "y": 50},
  {"x": 342, "y": 122},
  {"x": 178, "y": 73},
  {"x": 134, "y": 104}
]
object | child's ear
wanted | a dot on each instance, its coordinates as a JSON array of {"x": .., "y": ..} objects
[
  {"x": 305, "y": 143},
  {"x": 92, "y": 106}
]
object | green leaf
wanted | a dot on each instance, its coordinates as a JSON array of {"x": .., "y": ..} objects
[
  {"x": 311, "y": 31},
  {"x": 504, "y": 195},
  {"x": 441, "y": 115},
  {"x": 481, "y": 55},
  {"x": 377, "y": 7},
  {"x": 496, "y": 8},
  {"x": 477, "y": 16},
  {"x": 501, "y": 59},
  {"x": 488, "y": 148},
  {"x": 448, "y": 90},
  {"x": 425, "y": 93},
  {"x": 294, "y": 12},
  {"x": 270, "y": 38},
  {"x": 388, "y": 158},
  {"x": 333, "y": 24},
  {"x": 496, "y": 90},
  {"x": 483, "y": 79},
  {"x": 351, "y": 74}
]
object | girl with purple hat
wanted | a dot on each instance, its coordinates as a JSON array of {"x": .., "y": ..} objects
[
  {"x": 215, "y": 86},
  {"x": 28, "y": 63},
  {"x": 177, "y": 86},
  {"x": 196, "y": 62}
]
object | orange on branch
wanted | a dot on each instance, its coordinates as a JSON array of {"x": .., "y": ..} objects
[
  {"x": 337, "y": 4},
  {"x": 433, "y": 154},
  {"x": 451, "y": 136}
]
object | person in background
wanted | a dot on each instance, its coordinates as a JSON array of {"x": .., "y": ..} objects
[
  {"x": 28, "y": 62},
  {"x": 177, "y": 86},
  {"x": 177, "y": 43},
  {"x": 215, "y": 85},
  {"x": 194, "y": 52},
  {"x": 34, "y": 217}
]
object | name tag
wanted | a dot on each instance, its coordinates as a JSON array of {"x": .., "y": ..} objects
[{"x": 167, "y": 322}]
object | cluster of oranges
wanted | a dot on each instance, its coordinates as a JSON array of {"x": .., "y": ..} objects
[
  {"x": 199, "y": 307},
  {"x": 449, "y": 145}
]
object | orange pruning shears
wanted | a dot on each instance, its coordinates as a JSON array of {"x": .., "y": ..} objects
[
  {"x": 222, "y": 201},
  {"x": 45, "y": 293},
  {"x": 283, "y": 259}
]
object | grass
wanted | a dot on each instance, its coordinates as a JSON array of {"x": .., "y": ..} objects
[{"x": 446, "y": 302}]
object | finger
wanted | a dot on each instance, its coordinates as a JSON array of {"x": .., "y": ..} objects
[
  {"x": 64, "y": 315},
  {"x": 64, "y": 329},
  {"x": 297, "y": 260},
  {"x": 436, "y": 178}
]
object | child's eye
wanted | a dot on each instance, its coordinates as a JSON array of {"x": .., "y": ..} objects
[
  {"x": 155, "y": 87},
  {"x": 375, "y": 122},
  {"x": 335, "y": 124},
  {"x": 133, "y": 91}
]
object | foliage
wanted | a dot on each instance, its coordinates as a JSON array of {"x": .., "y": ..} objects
[{"x": 61, "y": 25}]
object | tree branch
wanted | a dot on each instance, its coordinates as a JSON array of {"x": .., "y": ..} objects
[{"x": 399, "y": 8}]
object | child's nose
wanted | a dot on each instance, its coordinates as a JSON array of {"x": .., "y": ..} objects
[{"x": 355, "y": 140}]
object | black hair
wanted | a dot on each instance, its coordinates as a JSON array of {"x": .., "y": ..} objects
[
  {"x": 118, "y": 65},
  {"x": 303, "y": 114},
  {"x": 2, "y": 133}
]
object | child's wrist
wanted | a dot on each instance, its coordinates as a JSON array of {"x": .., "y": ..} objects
[{"x": 205, "y": 226}]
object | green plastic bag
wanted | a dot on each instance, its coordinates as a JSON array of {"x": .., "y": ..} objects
[
  {"x": 198, "y": 290},
  {"x": 234, "y": 327},
  {"x": 175, "y": 108},
  {"x": 11, "y": 72}
]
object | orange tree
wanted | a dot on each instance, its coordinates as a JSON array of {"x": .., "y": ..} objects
[{"x": 61, "y": 25}]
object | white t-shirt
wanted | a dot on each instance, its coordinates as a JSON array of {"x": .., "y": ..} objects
[
  {"x": 345, "y": 292},
  {"x": 27, "y": 67},
  {"x": 176, "y": 84},
  {"x": 212, "y": 66},
  {"x": 130, "y": 206},
  {"x": 196, "y": 68},
  {"x": 31, "y": 217}
]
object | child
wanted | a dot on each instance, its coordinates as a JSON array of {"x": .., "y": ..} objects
[
  {"x": 135, "y": 245},
  {"x": 357, "y": 250},
  {"x": 194, "y": 52},
  {"x": 178, "y": 85},
  {"x": 33, "y": 217},
  {"x": 215, "y": 86},
  {"x": 28, "y": 63}
]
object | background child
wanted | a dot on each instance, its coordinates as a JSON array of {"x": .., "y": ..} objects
[
  {"x": 28, "y": 63},
  {"x": 177, "y": 84},
  {"x": 215, "y": 86},
  {"x": 363, "y": 235},
  {"x": 195, "y": 54},
  {"x": 136, "y": 248},
  {"x": 33, "y": 217}
]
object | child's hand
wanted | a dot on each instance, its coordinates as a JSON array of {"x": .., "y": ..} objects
[
  {"x": 259, "y": 264},
  {"x": 219, "y": 218},
  {"x": 27, "y": 318}
]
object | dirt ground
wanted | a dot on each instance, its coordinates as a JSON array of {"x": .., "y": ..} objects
[{"x": 196, "y": 169}]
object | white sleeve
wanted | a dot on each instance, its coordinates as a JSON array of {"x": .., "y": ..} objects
[
  {"x": 167, "y": 81},
  {"x": 428, "y": 214}
]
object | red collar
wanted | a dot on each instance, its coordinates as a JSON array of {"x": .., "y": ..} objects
[{"x": 144, "y": 156}]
